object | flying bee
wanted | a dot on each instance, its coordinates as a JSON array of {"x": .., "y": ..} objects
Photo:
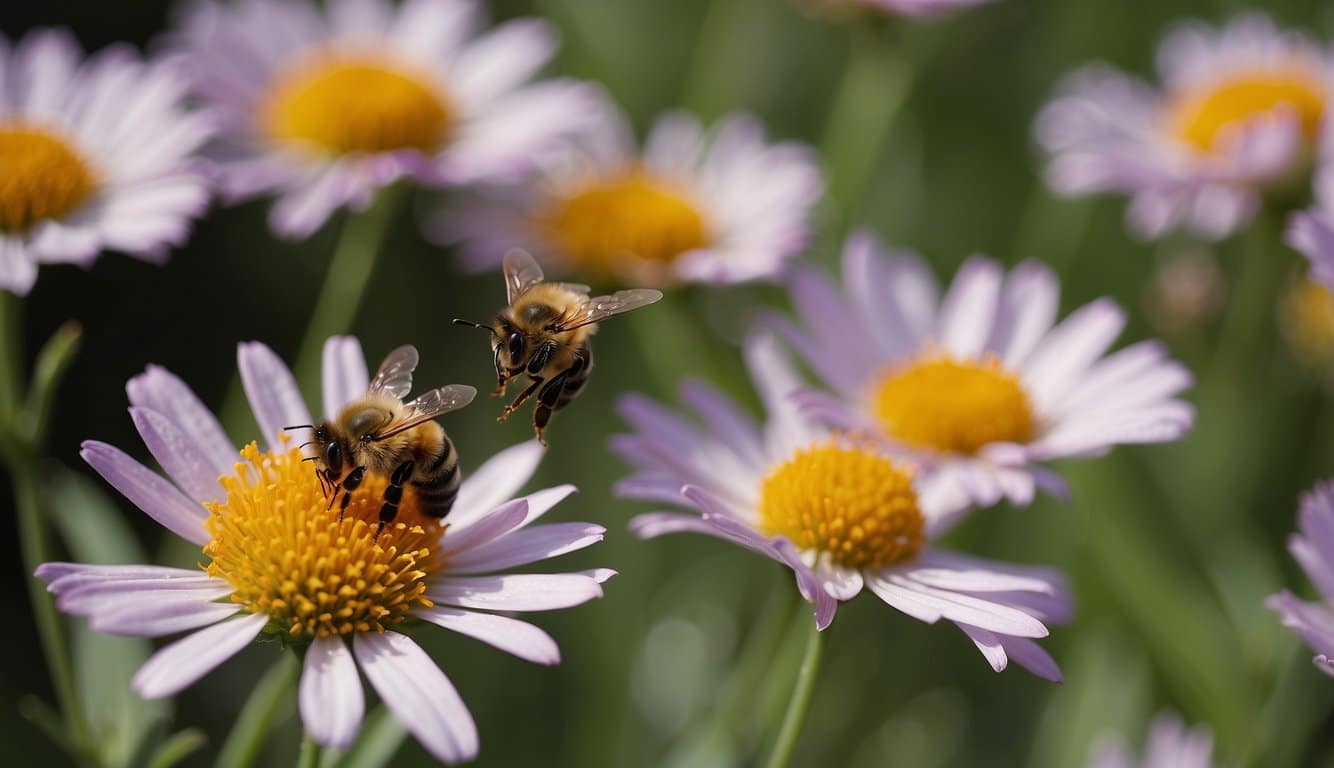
[
  {"x": 546, "y": 333},
  {"x": 379, "y": 433}
]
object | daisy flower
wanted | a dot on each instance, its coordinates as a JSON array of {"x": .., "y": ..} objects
[
  {"x": 324, "y": 108},
  {"x": 281, "y": 564},
  {"x": 97, "y": 154},
  {"x": 1170, "y": 745},
  {"x": 977, "y": 384},
  {"x": 1313, "y": 549},
  {"x": 1239, "y": 109},
  {"x": 840, "y": 513},
  {"x": 717, "y": 206}
]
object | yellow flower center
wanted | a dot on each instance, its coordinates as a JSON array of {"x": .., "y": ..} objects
[
  {"x": 290, "y": 557},
  {"x": 340, "y": 105},
  {"x": 854, "y": 506},
  {"x": 632, "y": 214},
  {"x": 954, "y": 406},
  {"x": 41, "y": 176},
  {"x": 1307, "y": 313},
  {"x": 1200, "y": 117}
]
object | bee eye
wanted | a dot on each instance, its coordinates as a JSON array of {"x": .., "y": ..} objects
[
  {"x": 333, "y": 457},
  {"x": 515, "y": 346}
]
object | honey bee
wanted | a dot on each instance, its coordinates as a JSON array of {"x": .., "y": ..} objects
[
  {"x": 379, "y": 433},
  {"x": 546, "y": 333}
]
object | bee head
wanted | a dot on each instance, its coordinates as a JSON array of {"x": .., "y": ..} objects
[{"x": 329, "y": 449}]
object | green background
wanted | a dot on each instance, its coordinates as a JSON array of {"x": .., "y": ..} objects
[{"x": 1170, "y": 549}]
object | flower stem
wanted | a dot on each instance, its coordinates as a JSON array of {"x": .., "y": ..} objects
[
  {"x": 310, "y": 752},
  {"x": 349, "y": 273},
  {"x": 22, "y": 438},
  {"x": 800, "y": 701},
  {"x": 262, "y": 710}
]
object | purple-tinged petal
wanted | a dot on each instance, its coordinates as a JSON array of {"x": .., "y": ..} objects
[
  {"x": 486, "y": 528},
  {"x": 146, "y": 614},
  {"x": 495, "y": 482},
  {"x": 148, "y": 491},
  {"x": 177, "y": 666},
  {"x": 179, "y": 455},
  {"x": 931, "y": 605},
  {"x": 509, "y": 635},
  {"x": 419, "y": 694},
  {"x": 272, "y": 391},
  {"x": 1067, "y": 352},
  {"x": 527, "y": 545},
  {"x": 162, "y": 391},
  {"x": 331, "y": 700},
  {"x": 502, "y": 59},
  {"x": 969, "y": 307},
  {"x": 516, "y": 591}
]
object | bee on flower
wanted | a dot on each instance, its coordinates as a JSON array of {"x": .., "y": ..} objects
[
  {"x": 96, "y": 153},
  {"x": 722, "y": 205},
  {"x": 282, "y": 562},
  {"x": 840, "y": 513},
  {"x": 1239, "y": 110},
  {"x": 980, "y": 384},
  {"x": 322, "y": 108}
]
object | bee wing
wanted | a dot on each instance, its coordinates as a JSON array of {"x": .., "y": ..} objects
[
  {"x": 600, "y": 308},
  {"x": 395, "y": 375},
  {"x": 521, "y": 273},
  {"x": 431, "y": 404}
]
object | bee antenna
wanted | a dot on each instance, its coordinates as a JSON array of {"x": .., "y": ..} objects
[
  {"x": 310, "y": 458},
  {"x": 300, "y": 426},
  {"x": 484, "y": 327}
]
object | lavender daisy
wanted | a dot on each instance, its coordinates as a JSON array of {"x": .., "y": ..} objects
[
  {"x": 324, "y": 108},
  {"x": 841, "y": 514},
  {"x": 718, "y": 206},
  {"x": 282, "y": 564},
  {"x": 1313, "y": 547},
  {"x": 1239, "y": 109},
  {"x": 1170, "y": 745},
  {"x": 978, "y": 385},
  {"x": 97, "y": 154}
]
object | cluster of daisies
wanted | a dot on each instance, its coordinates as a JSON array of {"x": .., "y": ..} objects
[{"x": 925, "y": 404}]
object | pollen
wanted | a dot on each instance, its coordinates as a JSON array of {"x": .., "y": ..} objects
[
  {"x": 283, "y": 547},
  {"x": 953, "y": 406},
  {"x": 1201, "y": 117},
  {"x": 853, "y": 506},
  {"x": 41, "y": 176},
  {"x": 633, "y": 214},
  {"x": 338, "y": 105}
]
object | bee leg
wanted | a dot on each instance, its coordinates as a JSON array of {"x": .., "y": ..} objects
[
  {"x": 350, "y": 484},
  {"x": 547, "y": 402},
  {"x": 393, "y": 494},
  {"x": 523, "y": 397}
]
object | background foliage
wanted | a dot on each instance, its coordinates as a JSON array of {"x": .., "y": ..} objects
[{"x": 1170, "y": 549}]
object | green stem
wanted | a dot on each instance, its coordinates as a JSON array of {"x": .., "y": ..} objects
[
  {"x": 875, "y": 83},
  {"x": 310, "y": 752},
  {"x": 11, "y": 356},
  {"x": 345, "y": 282},
  {"x": 800, "y": 701},
  {"x": 259, "y": 715}
]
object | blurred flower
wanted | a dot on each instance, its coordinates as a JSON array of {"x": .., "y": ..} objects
[
  {"x": 325, "y": 109},
  {"x": 978, "y": 385},
  {"x": 95, "y": 154},
  {"x": 718, "y": 207},
  {"x": 1170, "y": 745},
  {"x": 284, "y": 564},
  {"x": 914, "y": 8},
  {"x": 839, "y": 513},
  {"x": 1313, "y": 549},
  {"x": 1240, "y": 109},
  {"x": 1307, "y": 320},
  {"x": 1186, "y": 292},
  {"x": 1312, "y": 231}
]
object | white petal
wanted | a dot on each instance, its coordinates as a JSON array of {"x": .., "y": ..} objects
[
  {"x": 177, "y": 666},
  {"x": 161, "y": 390},
  {"x": 495, "y": 482},
  {"x": 331, "y": 700},
  {"x": 343, "y": 375},
  {"x": 527, "y": 545},
  {"x": 179, "y": 455},
  {"x": 969, "y": 308},
  {"x": 931, "y": 605},
  {"x": 419, "y": 694},
  {"x": 509, "y": 635}
]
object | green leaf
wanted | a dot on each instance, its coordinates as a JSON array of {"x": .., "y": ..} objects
[
  {"x": 95, "y": 532},
  {"x": 380, "y": 739},
  {"x": 270, "y": 704},
  {"x": 177, "y": 747}
]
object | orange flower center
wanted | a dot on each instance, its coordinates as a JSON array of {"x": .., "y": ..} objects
[
  {"x": 1200, "y": 117},
  {"x": 41, "y": 176},
  {"x": 954, "y": 406}
]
